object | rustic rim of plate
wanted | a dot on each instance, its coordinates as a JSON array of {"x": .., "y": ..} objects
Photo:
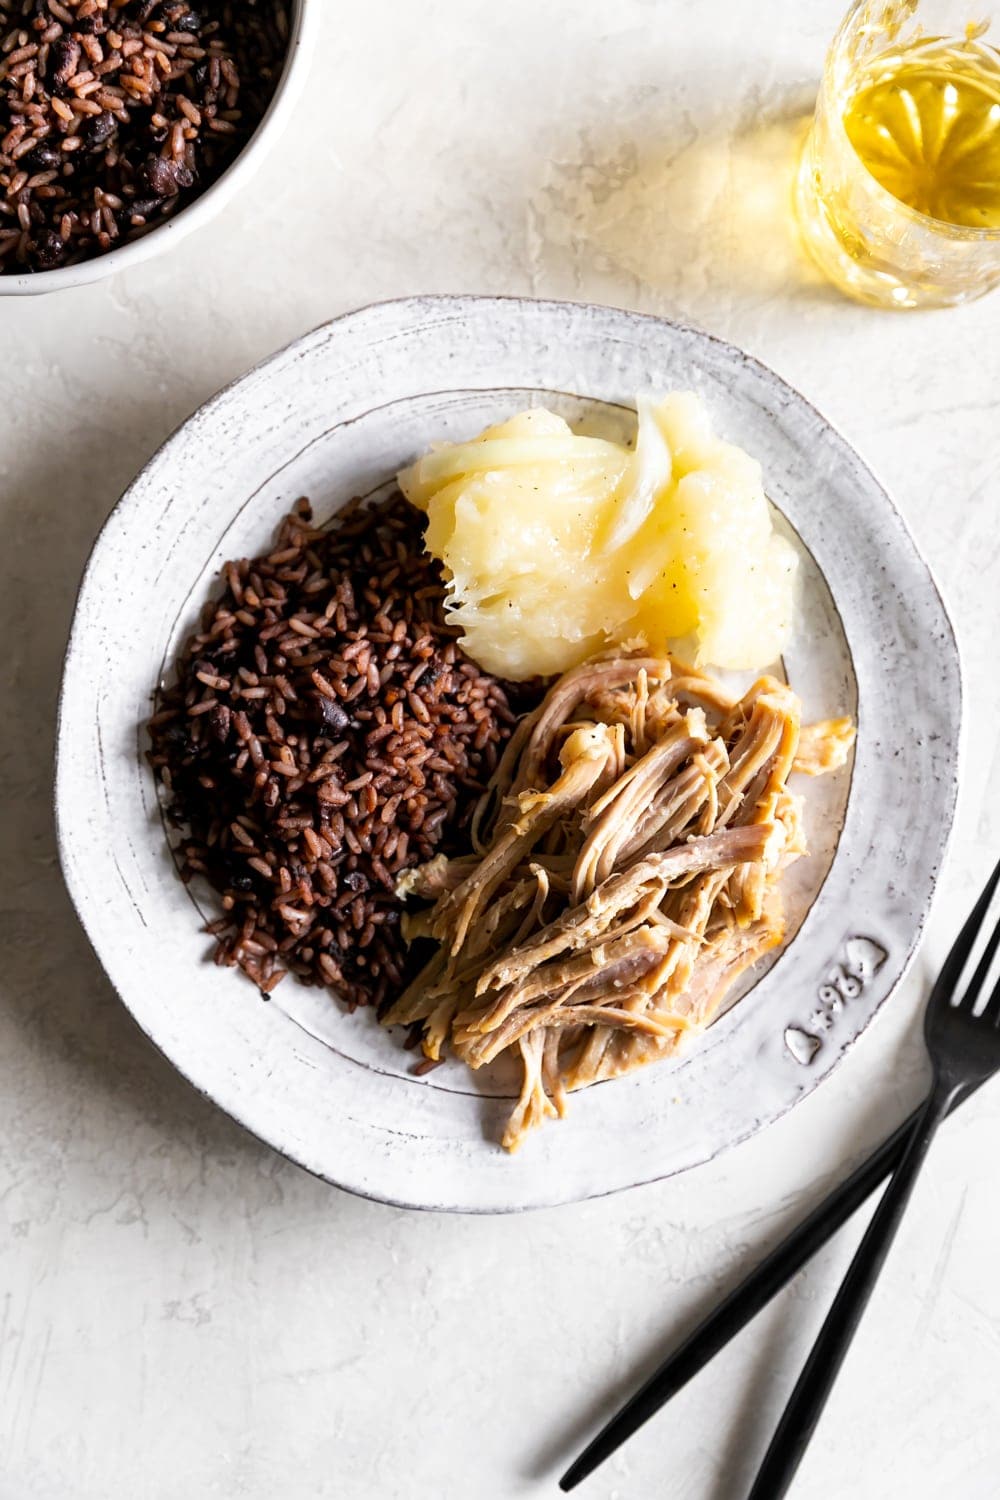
[{"x": 458, "y": 304}]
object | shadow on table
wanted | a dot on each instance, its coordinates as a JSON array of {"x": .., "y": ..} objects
[
  {"x": 697, "y": 216},
  {"x": 66, "y": 1031}
]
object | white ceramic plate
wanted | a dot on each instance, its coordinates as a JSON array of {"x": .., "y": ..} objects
[{"x": 335, "y": 415}]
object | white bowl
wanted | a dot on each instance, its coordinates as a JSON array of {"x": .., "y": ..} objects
[
  {"x": 304, "y": 14},
  {"x": 336, "y": 415}
]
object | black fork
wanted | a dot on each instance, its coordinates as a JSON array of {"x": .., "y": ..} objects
[{"x": 963, "y": 1040}]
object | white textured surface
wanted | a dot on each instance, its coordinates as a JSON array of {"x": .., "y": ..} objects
[{"x": 181, "y": 1312}]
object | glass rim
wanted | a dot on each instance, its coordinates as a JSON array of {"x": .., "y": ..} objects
[{"x": 927, "y": 221}]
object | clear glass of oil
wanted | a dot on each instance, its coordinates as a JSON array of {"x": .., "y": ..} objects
[{"x": 898, "y": 188}]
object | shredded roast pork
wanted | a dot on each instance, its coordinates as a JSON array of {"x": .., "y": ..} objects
[{"x": 625, "y": 872}]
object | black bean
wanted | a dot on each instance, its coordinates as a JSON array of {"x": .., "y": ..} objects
[
  {"x": 41, "y": 158},
  {"x": 64, "y": 57},
  {"x": 96, "y": 130},
  {"x": 332, "y": 715},
  {"x": 176, "y": 734},
  {"x": 159, "y": 177},
  {"x": 219, "y": 720},
  {"x": 49, "y": 250},
  {"x": 145, "y": 208}
]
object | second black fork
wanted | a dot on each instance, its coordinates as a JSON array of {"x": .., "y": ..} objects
[{"x": 964, "y": 1047}]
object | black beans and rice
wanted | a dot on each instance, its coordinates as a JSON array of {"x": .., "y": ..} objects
[
  {"x": 116, "y": 113},
  {"x": 323, "y": 734}
]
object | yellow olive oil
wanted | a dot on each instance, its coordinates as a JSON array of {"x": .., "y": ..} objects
[{"x": 925, "y": 121}]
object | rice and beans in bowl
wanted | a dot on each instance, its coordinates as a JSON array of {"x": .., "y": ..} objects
[
  {"x": 115, "y": 114},
  {"x": 443, "y": 755}
]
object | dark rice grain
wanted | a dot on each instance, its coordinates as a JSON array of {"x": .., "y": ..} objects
[{"x": 324, "y": 733}]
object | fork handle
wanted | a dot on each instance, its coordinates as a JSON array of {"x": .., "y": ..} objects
[
  {"x": 743, "y": 1303},
  {"x": 798, "y": 1422}
]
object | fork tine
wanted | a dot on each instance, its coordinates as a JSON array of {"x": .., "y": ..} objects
[
  {"x": 982, "y": 970},
  {"x": 951, "y": 973},
  {"x": 991, "y": 1008}
]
